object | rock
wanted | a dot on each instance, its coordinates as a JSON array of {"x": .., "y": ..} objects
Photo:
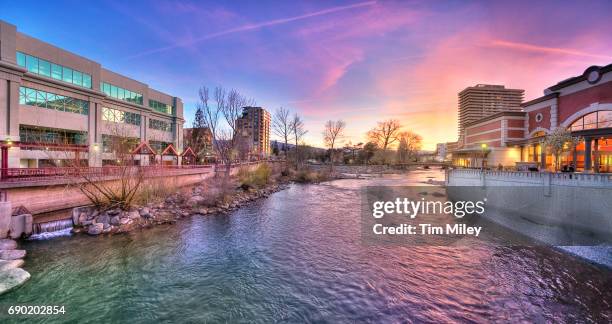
[
  {"x": 104, "y": 219},
  {"x": 82, "y": 218},
  {"x": 93, "y": 215},
  {"x": 95, "y": 229},
  {"x": 10, "y": 264},
  {"x": 87, "y": 222},
  {"x": 12, "y": 278},
  {"x": 133, "y": 215},
  {"x": 114, "y": 212},
  {"x": 7, "y": 244},
  {"x": 125, "y": 221},
  {"x": 115, "y": 220},
  {"x": 144, "y": 212},
  {"x": 12, "y": 254},
  {"x": 195, "y": 200}
]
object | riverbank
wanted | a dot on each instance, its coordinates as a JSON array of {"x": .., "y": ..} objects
[{"x": 209, "y": 197}]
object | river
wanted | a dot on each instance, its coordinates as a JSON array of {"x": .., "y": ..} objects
[{"x": 297, "y": 256}]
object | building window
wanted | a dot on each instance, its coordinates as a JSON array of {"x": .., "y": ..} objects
[
  {"x": 52, "y": 136},
  {"x": 161, "y": 107},
  {"x": 597, "y": 119},
  {"x": 158, "y": 146},
  {"x": 43, "y": 99},
  {"x": 539, "y": 117},
  {"x": 45, "y": 68},
  {"x": 118, "y": 144},
  {"x": 121, "y": 93},
  {"x": 160, "y": 125},
  {"x": 119, "y": 116}
]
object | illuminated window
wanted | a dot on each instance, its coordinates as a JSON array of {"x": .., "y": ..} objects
[{"x": 597, "y": 119}]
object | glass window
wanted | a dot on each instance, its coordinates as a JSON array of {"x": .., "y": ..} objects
[
  {"x": 106, "y": 89},
  {"x": 114, "y": 91},
  {"x": 22, "y": 95},
  {"x": 41, "y": 99},
  {"x": 56, "y": 71},
  {"x": 87, "y": 80},
  {"x": 32, "y": 64},
  {"x": 44, "y": 68},
  {"x": 77, "y": 78},
  {"x": 67, "y": 74},
  {"x": 121, "y": 93},
  {"x": 30, "y": 97},
  {"x": 21, "y": 59}
]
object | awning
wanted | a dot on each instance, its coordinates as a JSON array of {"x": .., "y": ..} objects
[
  {"x": 170, "y": 151},
  {"x": 188, "y": 152},
  {"x": 143, "y": 148}
]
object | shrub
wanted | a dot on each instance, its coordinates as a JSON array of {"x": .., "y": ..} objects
[{"x": 257, "y": 178}]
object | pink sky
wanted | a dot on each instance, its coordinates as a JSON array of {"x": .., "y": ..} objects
[{"x": 361, "y": 61}]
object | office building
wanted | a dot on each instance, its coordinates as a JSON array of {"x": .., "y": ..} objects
[{"x": 58, "y": 107}]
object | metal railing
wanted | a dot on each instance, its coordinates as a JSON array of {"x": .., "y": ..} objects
[{"x": 65, "y": 173}]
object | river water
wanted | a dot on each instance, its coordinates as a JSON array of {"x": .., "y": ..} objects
[{"x": 297, "y": 256}]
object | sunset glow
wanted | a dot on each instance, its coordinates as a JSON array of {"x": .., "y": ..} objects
[{"x": 361, "y": 61}]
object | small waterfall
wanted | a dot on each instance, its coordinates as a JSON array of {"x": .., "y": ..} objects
[{"x": 46, "y": 230}]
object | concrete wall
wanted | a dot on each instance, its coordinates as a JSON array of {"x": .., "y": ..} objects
[{"x": 564, "y": 201}]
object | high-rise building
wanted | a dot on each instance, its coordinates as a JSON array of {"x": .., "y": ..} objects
[
  {"x": 484, "y": 100},
  {"x": 57, "y": 107},
  {"x": 254, "y": 129}
]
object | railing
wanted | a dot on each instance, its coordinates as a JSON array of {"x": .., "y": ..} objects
[
  {"x": 554, "y": 176},
  {"x": 61, "y": 173}
]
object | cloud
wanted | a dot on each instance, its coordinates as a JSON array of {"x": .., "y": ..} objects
[
  {"x": 255, "y": 26},
  {"x": 547, "y": 50}
]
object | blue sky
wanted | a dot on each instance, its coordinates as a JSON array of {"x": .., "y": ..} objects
[{"x": 361, "y": 61}]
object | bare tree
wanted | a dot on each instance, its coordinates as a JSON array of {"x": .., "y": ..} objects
[
  {"x": 296, "y": 127},
  {"x": 118, "y": 185},
  {"x": 385, "y": 133},
  {"x": 281, "y": 126},
  {"x": 409, "y": 144},
  {"x": 333, "y": 130},
  {"x": 227, "y": 107}
]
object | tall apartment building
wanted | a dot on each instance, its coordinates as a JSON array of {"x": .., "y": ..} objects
[
  {"x": 57, "y": 106},
  {"x": 254, "y": 128},
  {"x": 484, "y": 100}
]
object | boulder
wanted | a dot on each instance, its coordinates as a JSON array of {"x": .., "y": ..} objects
[
  {"x": 125, "y": 221},
  {"x": 12, "y": 278},
  {"x": 12, "y": 254},
  {"x": 114, "y": 212},
  {"x": 195, "y": 200},
  {"x": 95, "y": 229},
  {"x": 115, "y": 220},
  {"x": 7, "y": 244},
  {"x": 133, "y": 215},
  {"x": 144, "y": 212},
  {"x": 92, "y": 215},
  {"x": 10, "y": 264},
  {"x": 82, "y": 218},
  {"x": 103, "y": 218}
]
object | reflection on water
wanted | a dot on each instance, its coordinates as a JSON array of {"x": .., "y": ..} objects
[{"x": 297, "y": 256}]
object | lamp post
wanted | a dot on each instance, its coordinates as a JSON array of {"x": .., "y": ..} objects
[{"x": 483, "y": 147}]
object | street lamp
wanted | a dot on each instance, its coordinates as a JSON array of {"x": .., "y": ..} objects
[{"x": 483, "y": 146}]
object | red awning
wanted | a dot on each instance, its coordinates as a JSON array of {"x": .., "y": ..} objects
[
  {"x": 170, "y": 151},
  {"x": 143, "y": 148},
  {"x": 188, "y": 151}
]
